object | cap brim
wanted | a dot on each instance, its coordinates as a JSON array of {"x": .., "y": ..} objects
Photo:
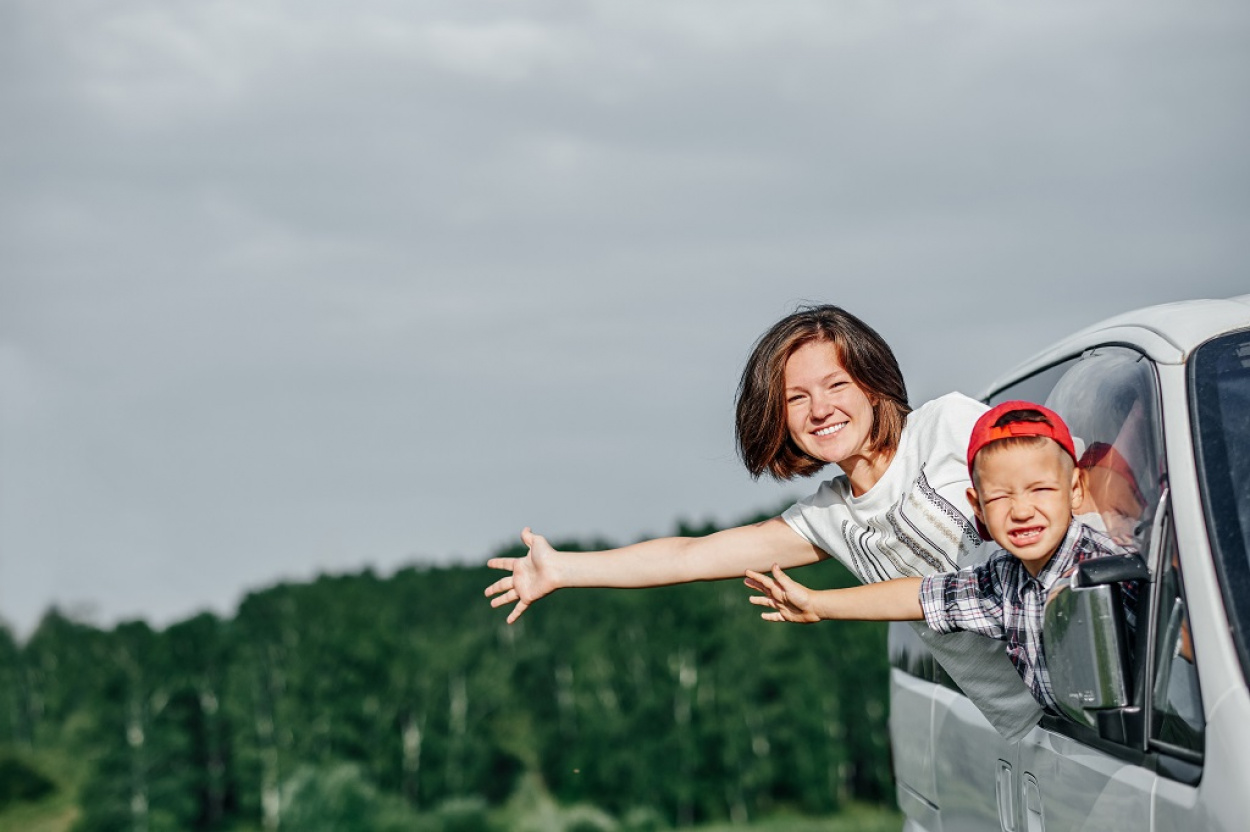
[{"x": 984, "y": 532}]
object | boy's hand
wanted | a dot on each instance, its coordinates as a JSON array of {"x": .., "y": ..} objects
[
  {"x": 789, "y": 600},
  {"x": 532, "y": 576}
]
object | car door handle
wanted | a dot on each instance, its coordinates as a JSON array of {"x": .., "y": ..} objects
[
  {"x": 1033, "y": 821},
  {"x": 1006, "y": 794}
]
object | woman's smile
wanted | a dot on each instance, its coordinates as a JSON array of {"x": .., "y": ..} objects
[{"x": 823, "y": 403}]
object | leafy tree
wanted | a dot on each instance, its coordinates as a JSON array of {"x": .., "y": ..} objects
[
  {"x": 21, "y": 781},
  {"x": 15, "y": 719},
  {"x": 63, "y": 663},
  {"x": 409, "y": 695}
]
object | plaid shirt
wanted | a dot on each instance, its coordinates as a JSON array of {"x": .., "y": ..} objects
[{"x": 1000, "y": 599}]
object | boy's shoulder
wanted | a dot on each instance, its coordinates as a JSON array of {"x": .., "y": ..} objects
[
  {"x": 985, "y": 576},
  {"x": 1093, "y": 543}
]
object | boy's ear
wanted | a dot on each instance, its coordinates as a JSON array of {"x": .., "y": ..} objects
[
  {"x": 975, "y": 502},
  {"x": 1078, "y": 488}
]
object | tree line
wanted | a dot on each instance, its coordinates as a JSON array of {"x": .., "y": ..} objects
[{"x": 675, "y": 701}]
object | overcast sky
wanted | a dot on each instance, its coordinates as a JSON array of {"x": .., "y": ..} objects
[{"x": 307, "y": 285}]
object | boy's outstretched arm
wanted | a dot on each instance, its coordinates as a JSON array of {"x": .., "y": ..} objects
[{"x": 788, "y": 600}]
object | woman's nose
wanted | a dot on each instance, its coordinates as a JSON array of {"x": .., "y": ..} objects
[{"x": 821, "y": 407}]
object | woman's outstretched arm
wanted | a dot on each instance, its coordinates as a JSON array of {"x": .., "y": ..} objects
[{"x": 660, "y": 562}]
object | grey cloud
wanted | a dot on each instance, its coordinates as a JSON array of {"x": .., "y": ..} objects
[{"x": 306, "y": 286}]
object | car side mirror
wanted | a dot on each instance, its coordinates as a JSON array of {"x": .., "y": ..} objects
[{"x": 1087, "y": 646}]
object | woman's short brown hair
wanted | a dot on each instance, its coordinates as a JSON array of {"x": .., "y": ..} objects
[{"x": 764, "y": 440}]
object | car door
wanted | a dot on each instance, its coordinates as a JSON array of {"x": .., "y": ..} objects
[
  {"x": 1067, "y": 777},
  {"x": 1071, "y": 777}
]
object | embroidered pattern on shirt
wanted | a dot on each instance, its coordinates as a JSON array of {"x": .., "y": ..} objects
[{"x": 926, "y": 525}]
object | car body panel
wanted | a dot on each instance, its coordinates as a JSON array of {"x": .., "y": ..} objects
[
  {"x": 1055, "y": 781},
  {"x": 1082, "y": 789},
  {"x": 1167, "y": 334}
]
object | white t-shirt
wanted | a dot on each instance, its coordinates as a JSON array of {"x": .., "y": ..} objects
[{"x": 916, "y": 521}]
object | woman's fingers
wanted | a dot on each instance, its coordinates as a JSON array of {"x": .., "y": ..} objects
[
  {"x": 505, "y": 590},
  {"x": 507, "y": 598},
  {"x": 501, "y": 585}
]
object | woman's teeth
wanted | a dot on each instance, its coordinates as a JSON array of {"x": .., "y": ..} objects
[{"x": 831, "y": 429}]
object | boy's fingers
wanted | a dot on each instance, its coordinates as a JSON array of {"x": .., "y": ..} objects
[
  {"x": 786, "y": 584},
  {"x": 761, "y": 583}
]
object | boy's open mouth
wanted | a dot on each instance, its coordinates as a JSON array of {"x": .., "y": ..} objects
[{"x": 1025, "y": 536}]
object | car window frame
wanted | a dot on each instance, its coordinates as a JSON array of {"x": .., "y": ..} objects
[{"x": 1150, "y": 753}]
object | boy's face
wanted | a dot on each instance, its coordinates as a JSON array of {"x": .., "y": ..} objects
[{"x": 1026, "y": 496}]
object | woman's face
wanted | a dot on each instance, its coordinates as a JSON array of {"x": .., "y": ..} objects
[{"x": 829, "y": 416}]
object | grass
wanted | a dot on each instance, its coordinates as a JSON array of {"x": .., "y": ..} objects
[
  {"x": 59, "y": 811},
  {"x": 852, "y": 819}
]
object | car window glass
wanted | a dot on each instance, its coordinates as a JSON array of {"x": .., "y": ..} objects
[
  {"x": 1035, "y": 388},
  {"x": 1110, "y": 401},
  {"x": 1177, "y": 721},
  {"x": 1220, "y": 409},
  {"x": 1109, "y": 398}
]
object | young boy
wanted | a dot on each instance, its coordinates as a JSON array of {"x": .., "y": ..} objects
[{"x": 1025, "y": 486}]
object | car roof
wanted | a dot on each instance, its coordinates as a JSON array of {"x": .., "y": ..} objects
[{"x": 1167, "y": 333}]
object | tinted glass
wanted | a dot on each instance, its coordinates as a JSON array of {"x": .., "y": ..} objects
[
  {"x": 1110, "y": 401},
  {"x": 1220, "y": 410},
  {"x": 1035, "y": 388},
  {"x": 1177, "y": 722}
]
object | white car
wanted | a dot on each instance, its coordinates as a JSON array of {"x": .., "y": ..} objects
[{"x": 1155, "y": 733}]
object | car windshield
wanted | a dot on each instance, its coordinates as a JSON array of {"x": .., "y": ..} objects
[{"x": 1220, "y": 406}]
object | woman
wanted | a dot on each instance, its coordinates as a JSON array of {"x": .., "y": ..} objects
[{"x": 823, "y": 387}]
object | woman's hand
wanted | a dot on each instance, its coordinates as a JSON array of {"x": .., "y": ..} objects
[
  {"x": 789, "y": 600},
  {"x": 532, "y": 576}
]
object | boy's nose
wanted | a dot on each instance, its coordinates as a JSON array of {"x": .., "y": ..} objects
[{"x": 1021, "y": 509}]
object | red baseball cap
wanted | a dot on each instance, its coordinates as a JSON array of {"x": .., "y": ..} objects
[{"x": 984, "y": 432}]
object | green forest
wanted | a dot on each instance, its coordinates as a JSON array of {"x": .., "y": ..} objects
[{"x": 360, "y": 702}]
